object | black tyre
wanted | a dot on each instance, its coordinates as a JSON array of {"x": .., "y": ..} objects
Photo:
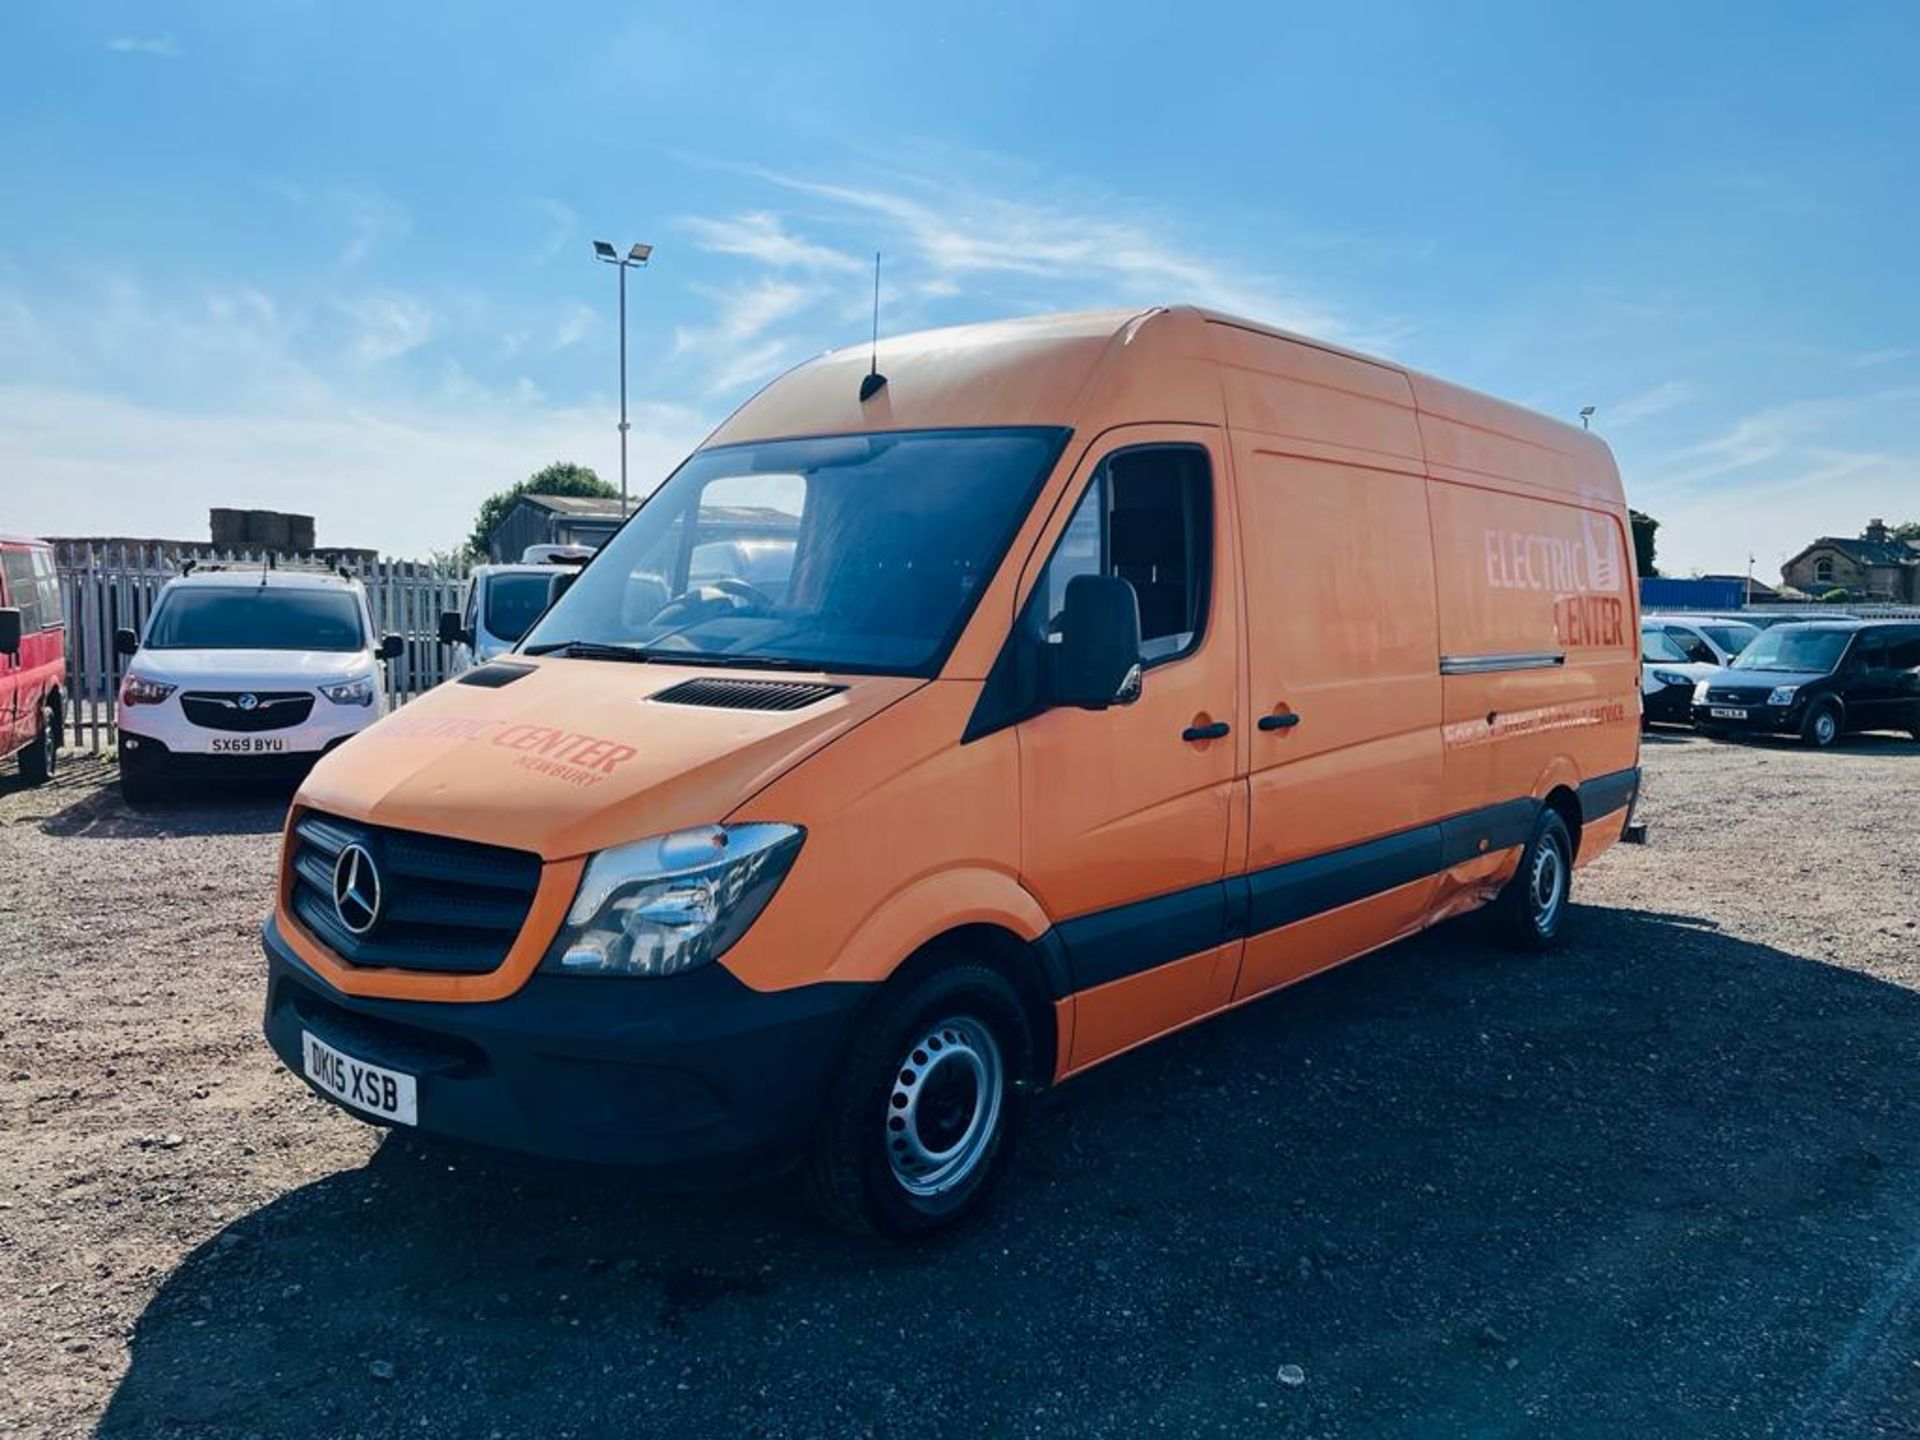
[
  {"x": 922, "y": 1116},
  {"x": 1530, "y": 909},
  {"x": 38, "y": 760},
  {"x": 1821, "y": 728}
]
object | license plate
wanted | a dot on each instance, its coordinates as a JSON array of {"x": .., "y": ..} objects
[
  {"x": 1726, "y": 714},
  {"x": 249, "y": 745},
  {"x": 386, "y": 1093}
]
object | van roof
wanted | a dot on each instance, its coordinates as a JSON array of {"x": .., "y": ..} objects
[
  {"x": 6, "y": 539},
  {"x": 1042, "y": 370},
  {"x": 272, "y": 579}
]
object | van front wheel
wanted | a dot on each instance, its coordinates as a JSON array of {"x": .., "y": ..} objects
[
  {"x": 1529, "y": 910},
  {"x": 921, "y": 1118}
]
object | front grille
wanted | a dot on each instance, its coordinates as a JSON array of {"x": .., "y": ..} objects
[
  {"x": 748, "y": 694},
  {"x": 1738, "y": 694},
  {"x": 451, "y": 907},
  {"x": 230, "y": 710}
]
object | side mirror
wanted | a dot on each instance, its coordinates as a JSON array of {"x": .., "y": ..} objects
[
  {"x": 1097, "y": 662},
  {"x": 125, "y": 642},
  {"x": 9, "y": 630},
  {"x": 560, "y": 584},
  {"x": 392, "y": 647},
  {"x": 451, "y": 631}
]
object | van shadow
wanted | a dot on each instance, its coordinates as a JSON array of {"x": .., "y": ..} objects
[
  {"x": 1665, "y": 1181},
  {"x": 236, "y": 807}
]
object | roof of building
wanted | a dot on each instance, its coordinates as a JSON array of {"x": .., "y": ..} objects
[
  {"x": 588, "y": 505},
  {"x": 1866, "y": 552}
]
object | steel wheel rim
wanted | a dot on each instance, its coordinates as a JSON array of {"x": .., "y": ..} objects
[
  {"x": 1548, "y": 884},
  {"x": 943, "y": 1108},
  {"x": 1824, "y": 728}
]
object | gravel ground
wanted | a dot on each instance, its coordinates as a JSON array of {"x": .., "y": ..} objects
[{"x": 1666, "y": 1181}]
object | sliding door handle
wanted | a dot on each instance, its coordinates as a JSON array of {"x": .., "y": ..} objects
[
  {"x": 1218, "y": 730},
  {"x": 1285, "y": 720}
]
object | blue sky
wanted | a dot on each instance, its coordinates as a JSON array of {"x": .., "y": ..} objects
[{"x": 334, "y": 257}]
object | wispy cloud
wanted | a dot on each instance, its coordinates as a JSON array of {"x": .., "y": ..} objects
[
  {"x": 560, "y": 224},
  {"x": 366, "y": 219},
  {"x": 956, "y": 236},
  {"x": 1892, "y": 355},
  {"x": 738, "y": 346},
  {"x": 761, "y": 236},
  {"x": 161, "y": 47},
  {"x": 387, "y": 324},
  {"x": 574, "y": 326},
  {"x": 1658, "y": 400}
]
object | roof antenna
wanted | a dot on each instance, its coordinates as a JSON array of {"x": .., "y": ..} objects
[{"x": 874, "y": 382}]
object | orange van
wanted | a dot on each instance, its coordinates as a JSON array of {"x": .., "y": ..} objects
[{"x": 1123, "y": 668}]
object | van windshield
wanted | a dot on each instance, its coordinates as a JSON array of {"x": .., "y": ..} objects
[
  {"x": 861, "y": 553},
  {"x": 256, "y": 617},
  {"x": 1793, "y": 647},
  {"x": 514, "y": 602}
]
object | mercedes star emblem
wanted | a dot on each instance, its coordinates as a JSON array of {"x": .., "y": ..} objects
[{"x": 356, "y": 889}]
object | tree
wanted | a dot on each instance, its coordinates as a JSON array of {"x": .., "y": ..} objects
[
  {"x": 563, "y": 477},
  {"x": 1906, "y": 530},
  {"x": 1643, "y": 528}
]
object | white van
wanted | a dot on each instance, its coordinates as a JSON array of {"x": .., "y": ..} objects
[{"x": 250, "y": 670}]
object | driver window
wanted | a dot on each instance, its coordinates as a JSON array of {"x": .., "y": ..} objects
[
  {"x": 1146, "y": 517},
  {"x": 1691, "y": 646}
]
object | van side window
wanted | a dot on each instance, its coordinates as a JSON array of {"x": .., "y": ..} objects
[
  {"x": 1903, "y": 650},
  {"x": 1692, "y": 646},
  {"x": 1871, "y": 653},
  {"x": 22, "y": 589},
  {"x": 52, "y": 615},
  {"x": 1147, "y": 517}
]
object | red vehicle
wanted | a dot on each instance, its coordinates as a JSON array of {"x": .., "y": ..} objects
[{"x": 33, "y": 656}]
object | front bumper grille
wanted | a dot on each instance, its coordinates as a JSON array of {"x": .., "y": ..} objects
[
  {"x": 230, "y": 710},
  {"x": 1738, "y": 694},
  {"x": 450, "y": 907}
]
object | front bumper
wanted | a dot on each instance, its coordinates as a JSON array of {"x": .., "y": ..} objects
[
  {"x": 696, "y": 1077},
  {"x": 1669, "y": 705},
  {"x": 145, "y": 756},
  {"x": 1760, "y": 719}
]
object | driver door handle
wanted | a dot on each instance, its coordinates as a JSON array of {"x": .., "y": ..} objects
[
  {"x": 1218, "y": 730},
  {"x": 1283, "y": 721}
]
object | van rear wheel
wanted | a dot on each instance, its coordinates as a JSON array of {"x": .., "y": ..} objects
[
  {"x": 921, "y": 1119},
  {"x": 1530, "y": 909},
  {"x": 38, "y": 760}
]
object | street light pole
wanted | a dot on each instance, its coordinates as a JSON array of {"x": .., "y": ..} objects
[{"x": 635, "y": 258}]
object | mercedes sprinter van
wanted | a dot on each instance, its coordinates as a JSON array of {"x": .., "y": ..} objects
[{"x": 1124, "y": 668}]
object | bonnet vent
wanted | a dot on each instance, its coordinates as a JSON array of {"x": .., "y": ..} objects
[
  {"x": 492, "y": 677},
  {"x": 717, "y": 694}
]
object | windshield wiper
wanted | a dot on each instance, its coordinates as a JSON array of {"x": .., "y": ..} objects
[
  {"x": 592, "y": 650},
  {"x": 731, "y": 662}
]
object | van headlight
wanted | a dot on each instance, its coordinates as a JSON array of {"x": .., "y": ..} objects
[
  {"x": 1668, "y": 677},
  {"x": 139, "y": 690},
  {"x": 672, "y": 903},
  {"x": 350, "y": 692},
  {"x": 1782, "y": 694},
  {"x": 1699, "y": 692}
]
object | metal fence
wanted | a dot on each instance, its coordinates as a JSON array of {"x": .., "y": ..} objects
[
  {"x": 108, "y": 588},
  {"x": 1774, "y": 614}
]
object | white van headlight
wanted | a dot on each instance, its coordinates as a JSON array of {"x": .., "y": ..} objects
[
  {"x": 1699, "y": 692},
  {"x": 672, "y": 903},
  {"x": 350, "y": 692},
  {"x": 139, "y": 690}
]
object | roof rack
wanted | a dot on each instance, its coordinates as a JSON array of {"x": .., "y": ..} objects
[{"x": 261, "y": 568}]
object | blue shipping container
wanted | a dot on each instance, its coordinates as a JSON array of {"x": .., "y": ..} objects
[{"x": 1672, "y": 594}]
